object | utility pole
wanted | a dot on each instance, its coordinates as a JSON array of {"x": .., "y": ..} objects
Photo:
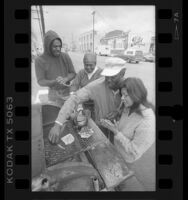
[
  {"x": 93, "y": 13},
  {"x": 42, "y": 20},
  {"x": 39, "y": 20},
  {"x": 72, "y": 43}
]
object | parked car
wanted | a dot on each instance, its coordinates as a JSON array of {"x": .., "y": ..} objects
[
  {"x": 149, "y": 58},
  {"x": 103, "y": 50},
  {"x": 132, "y": 55}
]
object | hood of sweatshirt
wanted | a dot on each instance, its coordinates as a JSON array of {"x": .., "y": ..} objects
[{"x": 49, "y": 37}]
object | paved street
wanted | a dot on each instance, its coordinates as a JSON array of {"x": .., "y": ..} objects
[{"x": 143, "y": 70}]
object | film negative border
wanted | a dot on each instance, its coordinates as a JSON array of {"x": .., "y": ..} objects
[
  {"x": 165, "y": 88},
  {"x": 168, "y": 110}
]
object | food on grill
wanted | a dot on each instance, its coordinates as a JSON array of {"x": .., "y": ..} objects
[
  {"x": 86, "y": 132},
  {"x": 68, "y": 139},
  {"x": 54, "y": 154}
]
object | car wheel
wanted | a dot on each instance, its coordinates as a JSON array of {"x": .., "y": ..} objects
[{"x": 137, "y": 61}]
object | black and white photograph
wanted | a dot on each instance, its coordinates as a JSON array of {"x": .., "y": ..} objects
[{"x": 93, "y": 122}]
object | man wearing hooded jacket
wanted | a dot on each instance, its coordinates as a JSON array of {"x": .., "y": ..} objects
[{"x": 54, "y": 68}]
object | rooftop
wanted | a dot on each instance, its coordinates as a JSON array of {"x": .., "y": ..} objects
[{"x": 115, "y": 33}]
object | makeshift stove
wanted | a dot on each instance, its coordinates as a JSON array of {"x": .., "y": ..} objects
[{"x": 60, "y": 152}]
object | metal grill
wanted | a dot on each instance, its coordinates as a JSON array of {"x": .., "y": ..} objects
[
  {"x": 54, "y": 154},
  {"x": 90, "y": 142}
]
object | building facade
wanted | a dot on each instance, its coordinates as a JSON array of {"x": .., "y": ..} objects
[
  {"x": 86, "y": 41},
  {"x": 144, "y": 41},
  {"x": 117, "y": 40}
]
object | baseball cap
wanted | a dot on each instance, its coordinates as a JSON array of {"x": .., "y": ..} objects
[{"x": 113, "y": 66}]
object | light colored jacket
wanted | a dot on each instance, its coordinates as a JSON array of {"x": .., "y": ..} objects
[
  {"x": 136, "y": 143},
  {"x": 137, "y": 134},
  {"x": 104, "y": 100}
]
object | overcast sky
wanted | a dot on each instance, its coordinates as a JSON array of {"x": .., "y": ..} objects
[{"x": 74, "y": 20}]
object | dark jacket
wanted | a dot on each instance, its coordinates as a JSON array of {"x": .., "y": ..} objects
[{"x": 49, "y": 67}]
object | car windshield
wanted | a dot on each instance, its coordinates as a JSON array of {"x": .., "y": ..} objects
[
  {"x": 129, "y": 52},
  {"x": 139, "y": 53}
]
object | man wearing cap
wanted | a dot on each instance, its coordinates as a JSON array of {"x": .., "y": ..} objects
[
  {"x": 90, "y": 72},
  {"x": 103, "y": 91}
]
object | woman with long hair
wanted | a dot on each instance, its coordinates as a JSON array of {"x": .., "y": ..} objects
[{"x": 134, "y": 133}]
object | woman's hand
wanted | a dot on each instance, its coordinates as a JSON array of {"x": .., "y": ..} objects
[
  {"x": 109, "y": 125},
  {"x": 112, "y": 115}
]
